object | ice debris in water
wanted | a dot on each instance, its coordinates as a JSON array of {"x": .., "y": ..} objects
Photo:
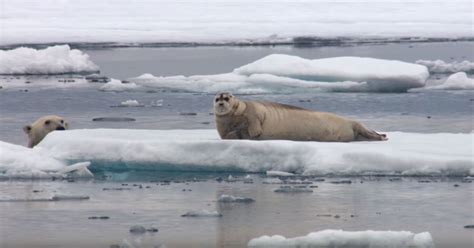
[
  {"x": 439, "y": 66},
  {"x": 340, "y": 238},
  {"x": 131, "y": 103},
  {"x": 289, "y": 189},
  {"x": 202, "y": 213},
  {"x": 231, "y": 198}
]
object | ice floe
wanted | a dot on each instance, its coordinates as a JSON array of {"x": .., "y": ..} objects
[
  {"x": 22, "y": 162},
  {"x": 130, "y": 103},
  {"x": 202, "y": 150},
  {"x": 456, "y": 81},
  {"x": 439, "y": 66},
  {"x": 286, "y": 73},
  {"x": 118, "y": 86},
  {"x": 229, "y": 22},
  {"x": 52, "y": 60},
  {"x": 340, "y": 238}
]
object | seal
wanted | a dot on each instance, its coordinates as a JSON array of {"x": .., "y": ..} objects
[
  {"x": 236, "y": 119},
  {"x": 41, "y": 127}
]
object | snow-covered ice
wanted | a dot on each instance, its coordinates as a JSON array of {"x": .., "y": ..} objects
[
  {"x": 456, "y": 81},
  {"x": 51, "y": 60},
  {"x": 339, "y": 238},
  {"x": 118, "y": 86},
  {"x": 439, "y": 66},
  {"x": 286, "y": 73},
  {"x": 403, "y": 154},
  {"x": 228, "y": 22}
]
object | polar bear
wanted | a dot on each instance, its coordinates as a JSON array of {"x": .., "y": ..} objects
[{"x": 41, "y": 127}]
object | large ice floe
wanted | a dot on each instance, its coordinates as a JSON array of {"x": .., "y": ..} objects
[
  {"x": 286, "y": 73},
  {"x": 345, "y": 239},
  {"x": 202, "y": 150},
  {"x": 52, "y": 60}
]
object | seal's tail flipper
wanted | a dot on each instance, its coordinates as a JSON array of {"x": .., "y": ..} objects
[{"x": 364, "y": 134}]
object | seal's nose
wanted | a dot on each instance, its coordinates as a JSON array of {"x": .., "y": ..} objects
[
  {"x": 60, "y": 128},
  {"x": 221, "y": 104}
]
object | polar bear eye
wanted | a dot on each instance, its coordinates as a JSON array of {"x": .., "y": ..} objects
[
  {"x": 47, "y": 122},
  {"x": 62, "y": 121}
]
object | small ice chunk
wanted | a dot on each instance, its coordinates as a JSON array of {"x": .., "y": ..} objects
[
  {"x": 456, "y": 81},
  {"x": 231, "y": 198},
  {"x": 202, "y": 213},
  {"x": 137, "y": 229},
  {"x": 131, "y": 103},
  {"x": 340, "y": 238},
  {"x": 279, "y": 174},
  {"x": 77, "y": 170},
  {"x": 70, "y": 198},
  {"x": 293, "y": 190}
]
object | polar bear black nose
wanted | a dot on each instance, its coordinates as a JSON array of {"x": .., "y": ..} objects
[{"x": 60, "y": 128}]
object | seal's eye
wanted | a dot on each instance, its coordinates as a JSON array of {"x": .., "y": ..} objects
[
  {"x": 226, "y": 99},
  {"x": 217, "y": 99},
  {"x": 62, "y": 121},
  {"x": 47, "y": 122}
]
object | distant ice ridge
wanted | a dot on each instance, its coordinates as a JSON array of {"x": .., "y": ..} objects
[
  {"x": 285, "y": 73},
  {"x": 202, "y": 150},
  {"x": 228, "y": 22},
  {"x": 439, "y": 66},
  {"x": 345, "y": 239},
  {"x": 52, "y": 60}
]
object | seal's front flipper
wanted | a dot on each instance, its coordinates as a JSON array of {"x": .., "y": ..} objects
[{"x": 255, "y": 128}]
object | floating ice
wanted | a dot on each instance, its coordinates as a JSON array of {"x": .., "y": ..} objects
[
  {"x": 118, "y": 86},
  {"x": 279, "y": 174},
  {"x": 52, "y": 60},
  {"x": 202, "y": 213},
  {"x": 21, "y": 162},
  {"x": 339, "y": 238},
  {"x": 285, "y": 73},
  {"x": 131, "y": 103},
  {"x": 191, "y": 150},
  {"x": 229, "y": 22},
  {"x": 439, "y": 66},
  {"x": 456, "y": 81},
  {"x": 289, "y": 189},
  {"x": 236, "y": 199}
]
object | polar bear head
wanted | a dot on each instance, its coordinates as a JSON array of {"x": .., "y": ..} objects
[{"x": 41, "y": 127}]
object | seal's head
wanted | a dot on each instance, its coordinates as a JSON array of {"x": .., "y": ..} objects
[
  {"x": 224, "y": 103},
  {"x": 41, "y": 127}
]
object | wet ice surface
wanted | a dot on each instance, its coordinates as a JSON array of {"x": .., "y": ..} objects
[{"x": 411, "y": 204}]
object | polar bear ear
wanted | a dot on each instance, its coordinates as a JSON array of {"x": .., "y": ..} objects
[{"x": 27, "y": 129}]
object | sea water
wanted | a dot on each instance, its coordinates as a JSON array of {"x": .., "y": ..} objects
[{"x": 376, "y": 203}]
